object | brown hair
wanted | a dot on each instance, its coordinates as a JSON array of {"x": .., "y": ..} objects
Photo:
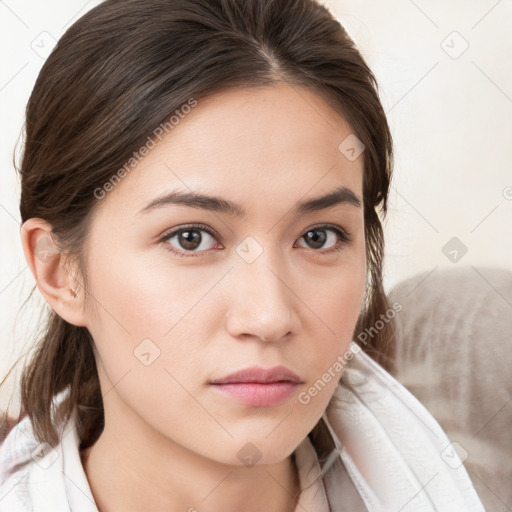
[{"x": 118, "y": 73}]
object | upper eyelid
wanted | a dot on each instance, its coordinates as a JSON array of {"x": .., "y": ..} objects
[{"x": 201, "y": 227}]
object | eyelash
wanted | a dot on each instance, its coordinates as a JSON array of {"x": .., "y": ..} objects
[{"x": 343, "y": 235}]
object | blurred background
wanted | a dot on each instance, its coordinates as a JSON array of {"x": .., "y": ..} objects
[{"x": 445, "y": 76}]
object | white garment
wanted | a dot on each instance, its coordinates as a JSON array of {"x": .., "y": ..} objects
[{"x": 392, "y": 452}]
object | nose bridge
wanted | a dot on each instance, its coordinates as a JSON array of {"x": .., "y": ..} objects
[{"x": 262, "y": 304}]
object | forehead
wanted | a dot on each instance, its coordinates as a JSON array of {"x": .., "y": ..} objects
[{"x": 253, "y": 145}]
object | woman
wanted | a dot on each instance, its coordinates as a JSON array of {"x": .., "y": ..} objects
[{"x": 201, "y": 189}]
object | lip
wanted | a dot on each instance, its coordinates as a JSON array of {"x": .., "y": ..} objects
[
  {"x": 260, "y": 375},
  {"x": 258, "y": 387}
]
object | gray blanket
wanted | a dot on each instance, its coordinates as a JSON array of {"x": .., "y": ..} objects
[{"x": 454, "y": 353}]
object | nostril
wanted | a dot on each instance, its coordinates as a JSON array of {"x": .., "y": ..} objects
[{"x": 289, "y": 332}]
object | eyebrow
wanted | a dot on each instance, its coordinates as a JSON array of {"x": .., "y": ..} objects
[{"x": 340, "y": 195}]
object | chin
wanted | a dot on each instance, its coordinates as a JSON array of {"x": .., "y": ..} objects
[{"x": 258, "y": 450}]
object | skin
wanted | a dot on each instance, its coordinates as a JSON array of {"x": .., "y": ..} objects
[{"x": 170, "y": 442}]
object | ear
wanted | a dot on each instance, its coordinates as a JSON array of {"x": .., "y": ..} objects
[{"x": 53, "y": 279}]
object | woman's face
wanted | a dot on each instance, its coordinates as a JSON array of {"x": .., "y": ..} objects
[{"x": 265, "y": 287}]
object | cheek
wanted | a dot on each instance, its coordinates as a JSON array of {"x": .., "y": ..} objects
[
  {"x": 335, "y": 300},
  {"x": 333, "y": 310},
  {"x": 143, "y": 310},
  {"x": 145, "y": 296},
  {"x": 326, "y": 358},
  {"x": 150, "y": 336},
  {"x": 341, "y": 300}
]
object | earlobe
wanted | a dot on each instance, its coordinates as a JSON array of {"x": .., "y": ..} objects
[{"x": 47, "y": 264}]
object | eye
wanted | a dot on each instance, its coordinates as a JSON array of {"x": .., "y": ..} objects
[
  {"x": 189, "y": 239},
  {"x": 190, "y": 242},
  {"x": 317, "y": 237}
]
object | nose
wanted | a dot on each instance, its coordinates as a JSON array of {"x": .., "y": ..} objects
[{"x": 261, "y": 302}]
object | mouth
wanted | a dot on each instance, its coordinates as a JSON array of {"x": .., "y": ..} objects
[{"x": 258, "y": 387}]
